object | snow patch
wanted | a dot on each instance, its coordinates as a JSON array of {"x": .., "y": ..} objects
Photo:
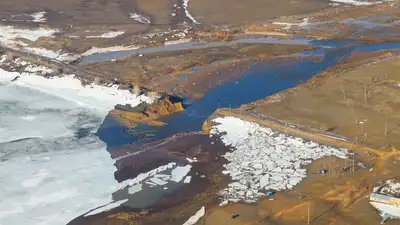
[
  {"x": 180, "y": 41},
  {"x": 95, "y": 50},
  {"x": 38, "y": 17},
  {"x": 263, "y": 160},
  {"x": 8, "y": 34},
  {"x": 185, "y": 6},
  {"x": 355, "y": 2},
  {"x": 193, "y": 219},
  {"x": 290, "y": 25},
  {"x": 70, "y": 88},
  {"x": 111, "y": 34},
  {"x": 140, "y": 18},
  {"x": 9, "y": 38}
]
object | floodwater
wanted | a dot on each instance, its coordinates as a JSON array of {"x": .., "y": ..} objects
[{"x": 263, "y": 79}]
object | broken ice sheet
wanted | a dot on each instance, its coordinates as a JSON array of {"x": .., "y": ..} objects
[{"x": 263, "y": 160}]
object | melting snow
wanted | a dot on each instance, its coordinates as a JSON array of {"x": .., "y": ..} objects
[
  {"x": 111, "y": 34},
  {"x": 95, "y": 50},
  {"x": 263, "y": 160},
  {"x": 38, "y": 17},
  {"x": 9, "y": 36},
  {"x": 355, "y": 2},
  {"x": 185, "y": 6},
  {"x": 193, "y": 219},
  {"x": 139, "y": 18},
  {"x": 70, "y": 88},
  {"x": 289, "y": 25}
]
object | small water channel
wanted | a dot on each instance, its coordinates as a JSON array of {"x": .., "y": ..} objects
[{"x": 107, "y": 56}]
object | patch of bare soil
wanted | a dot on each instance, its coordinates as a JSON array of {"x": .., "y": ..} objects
[{"x": 243, "y": 12}]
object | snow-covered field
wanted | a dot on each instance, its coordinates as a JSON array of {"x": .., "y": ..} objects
[
  {"x": 262, "y": 160},
  {"x": 12, "y": 37}
]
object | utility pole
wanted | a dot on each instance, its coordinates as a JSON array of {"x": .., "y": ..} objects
[
  {"x": 308, "y": 213},
  {"x": 344, "y": 93},
  {"x": 385, "y": 125},
  {"x": 365, "y": 92}
]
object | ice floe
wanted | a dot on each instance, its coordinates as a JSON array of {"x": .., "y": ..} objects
[
  {"x": 391, "y": 189},
  {"x": 193, "y": 219},
  {"x": 143, "y": 176},
  {"x": 53, "y": 172},
  {"x": 180, "y": 172},
  {"x": 140, "y": 18},
  {"x": 107, "y": 207},
  {"x": 111, "y": 34},
  {"x": 263, "y": 160},
  {"x": 187, "y": 179}
]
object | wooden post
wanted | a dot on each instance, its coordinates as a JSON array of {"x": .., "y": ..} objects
[
  {"x": 344, "y": 93},
  {"x": 308, "y": 213},
  {"x": 385, "y": 125},
  {"x": 353, "y": 161},
  {"x": 365, "y": 93}
]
